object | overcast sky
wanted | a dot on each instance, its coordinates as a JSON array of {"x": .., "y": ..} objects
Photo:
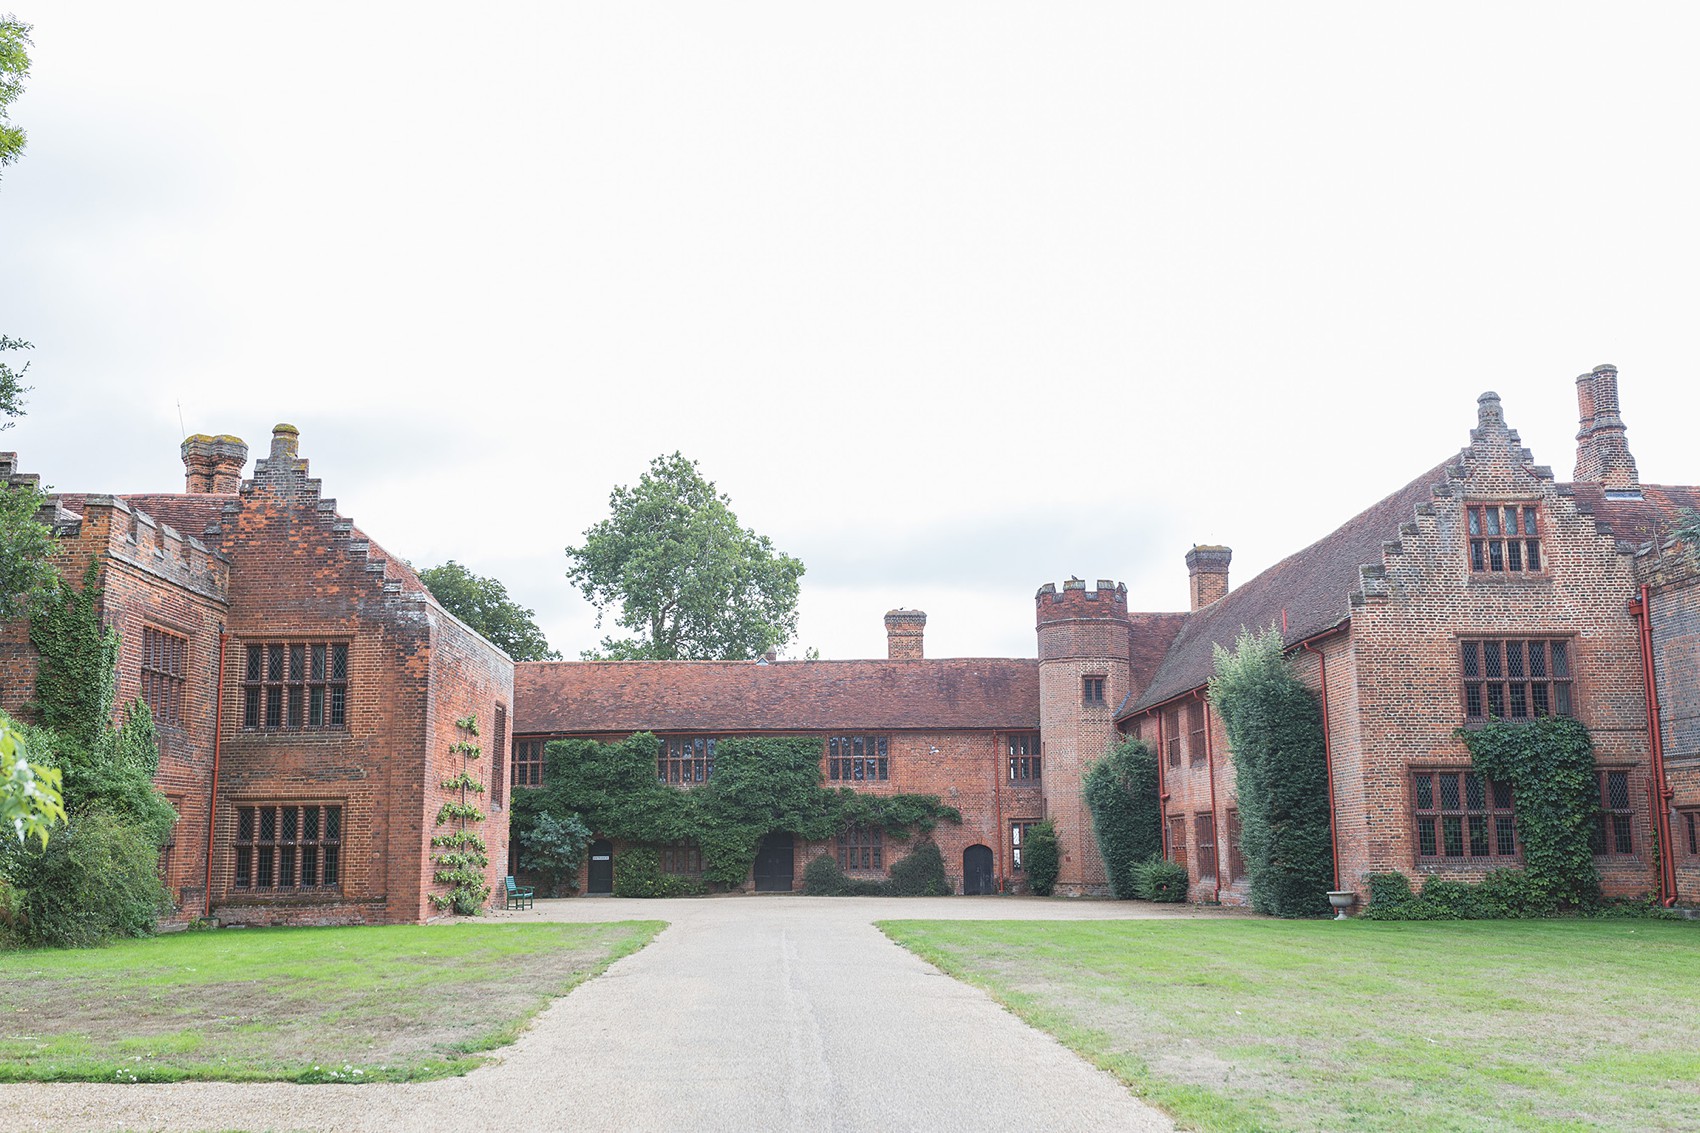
[{"x": 952, "y": 299}]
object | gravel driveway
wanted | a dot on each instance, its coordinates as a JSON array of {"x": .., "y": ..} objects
[{"x": 758, "y": 1014}]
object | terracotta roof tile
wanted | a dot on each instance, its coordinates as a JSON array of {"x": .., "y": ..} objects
[
  {"x": 1313, "y": 586},
  {"x": 571, "y": 697}
]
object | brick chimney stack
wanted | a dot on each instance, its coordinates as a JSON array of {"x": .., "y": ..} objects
[
  {"x": 1207, "y": 572},
  {"x": 903, "y": 631},
  {"x": 213, "y": 464},
  {"x": 286, "y": 442},
  {"x": 1602, "y": 451}
]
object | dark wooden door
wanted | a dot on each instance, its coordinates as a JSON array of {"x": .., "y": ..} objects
[
  {"x": 602, "y": 866},
  {"x": 774, "y": 864},
  {"x": 977, "y": 870}
]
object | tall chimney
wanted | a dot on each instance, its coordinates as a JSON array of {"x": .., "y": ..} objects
[
  {"x": 1207, "y": 572},
  {"x": 1602, "y": 450},
  {"x": 903, "y": 630},
  {"x": 213, "y": 464}
]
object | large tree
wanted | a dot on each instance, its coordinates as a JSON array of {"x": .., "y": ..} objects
[
  {"x": 14, "y": 69},
  {"x": 483, "y": 604},
  {"x": 673, "y": 564}
]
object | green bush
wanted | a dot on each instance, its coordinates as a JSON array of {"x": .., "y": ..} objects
[
  {"x": 550, "y": 846},
  {"x": 1156, "y": 879},
  {"x": 1121, "y": 790},
  {"x": 1274, "y": 727},
  {"x": 1041, "y": 857},
  {"x": 920, "y": 874},
  {"x": 97, "y": 880},
  {"x": 823, "y": 878},
  {"x": 1501, "y": 894},
  {"x": 638, "y": 874}
]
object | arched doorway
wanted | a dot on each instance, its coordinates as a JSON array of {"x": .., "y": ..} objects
[
  {"x": 977, "y": 870},
  {"x": 601, "y": 866},
  {"x": 774, "y": 862}
]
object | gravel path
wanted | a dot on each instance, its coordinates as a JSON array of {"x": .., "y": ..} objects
[{"x": 756, "y": 1014}]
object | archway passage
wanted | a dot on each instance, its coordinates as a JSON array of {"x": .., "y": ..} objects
[
  {"x": 601, "y": 866},
  {"x": 774, "y": 863},
  {"x": 977, "y": 870}
]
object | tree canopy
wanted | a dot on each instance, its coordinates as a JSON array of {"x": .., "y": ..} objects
[
  {"x": 673, "y": 565},
  {"x": 14, "y": 69},
  {"x": 483, "y": 604}
]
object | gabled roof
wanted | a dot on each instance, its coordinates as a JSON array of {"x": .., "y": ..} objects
[
  {"x": 1637, "y": 521},
  {"x": 1313, "y": 587},
  {"x": 576, "y": 697}
]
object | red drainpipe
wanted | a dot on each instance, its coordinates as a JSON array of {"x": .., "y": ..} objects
[
  {"x": 999, "y": 835},
  {"x": 1327, "y": 760},
  {"x": 1659, "y": 790},
  {"x": 1162, "y": 790},
  {"x": 1210, "y": 769},
  {"x": 212, "y": 792}
]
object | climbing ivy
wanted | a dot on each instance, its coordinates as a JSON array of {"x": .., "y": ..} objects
[
  {"x": 1549, "y": 763},
  {"x": 78, "y": 657},
  {"x": 1274, "y": 728},
  {"x": 761, "y": 785},
  {"x": 461, "y": 855},
  {"x": 1121, "y": 790}
]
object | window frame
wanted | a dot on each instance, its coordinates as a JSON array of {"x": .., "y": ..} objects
[
  {"x": 860, "y": 757},
  {"x": 1025, "y": 759},
  {"x": 1177, "y": 840},
  {"x": 680, "y": 859},
  {"x": 1171, "y": 727},
  {"x": 1486, "y": 540},
  {"x": 277, "y": 694},
  {"x": 1236, "y": 858},
  {"x": 1498, "y": 806},
  {"x": 1543, "y": 694},
  {"x": 1195, "y": 726},
  {"x": 1018, "y": 828},
  {"x": 289, "y": 846},
  {"x": 861, "y": 849},
  {"x": 1614, "y": 824},
  {"x": 684, "y": 760},
  {"x": 526, "y": 768},
  {"x": 164, "y": 674},
  {"x": 1093, "y": 690},
  {"x": 1203, "y": 824}
]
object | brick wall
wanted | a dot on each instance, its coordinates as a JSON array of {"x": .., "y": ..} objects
[
  {"x": 1673, "y": 577},
  {"x": 1082, "y": 634}
]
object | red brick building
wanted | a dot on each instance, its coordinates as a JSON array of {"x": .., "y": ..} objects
[
  {"x": 305, "y": 686},
  {"x": 1483, "y": 588}
]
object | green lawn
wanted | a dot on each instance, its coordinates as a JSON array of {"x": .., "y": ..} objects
[
  {"x": 394, "y": 1003},
  {"x": 1305, "y": 1025}
]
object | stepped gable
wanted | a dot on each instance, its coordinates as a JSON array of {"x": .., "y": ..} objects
[
  {"x": 1314, "y": 586},
  {"x": 581, "y": 697}
]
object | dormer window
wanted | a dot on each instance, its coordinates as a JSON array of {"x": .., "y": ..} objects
[{"x": 1504, "y": 538}]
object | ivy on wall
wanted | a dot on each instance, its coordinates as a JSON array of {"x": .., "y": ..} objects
[
  {"x": 1274, "y": 727},
  {"x": 1121, "y": 790},
  {"x": 78, "y": 657},
  {"x": 1549, "y": 763},
  {"x": 761, "y": 785}
]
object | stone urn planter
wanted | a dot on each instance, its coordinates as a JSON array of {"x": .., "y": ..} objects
[{"x": 1341, "y": 899}]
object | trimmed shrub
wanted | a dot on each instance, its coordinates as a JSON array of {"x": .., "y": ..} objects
[
  {"x": 1121, "y": 790},
  {"x": 1156, "y": 879},
  {"x": 639, "y": 875},
  {"x": 1042, "y": 857},
  {"x": 1501, "y": 894},
  {"x": 1274, "y": 727},
  {"x": 920, "y": 874},
  {"x": 823, "y": 878}
]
